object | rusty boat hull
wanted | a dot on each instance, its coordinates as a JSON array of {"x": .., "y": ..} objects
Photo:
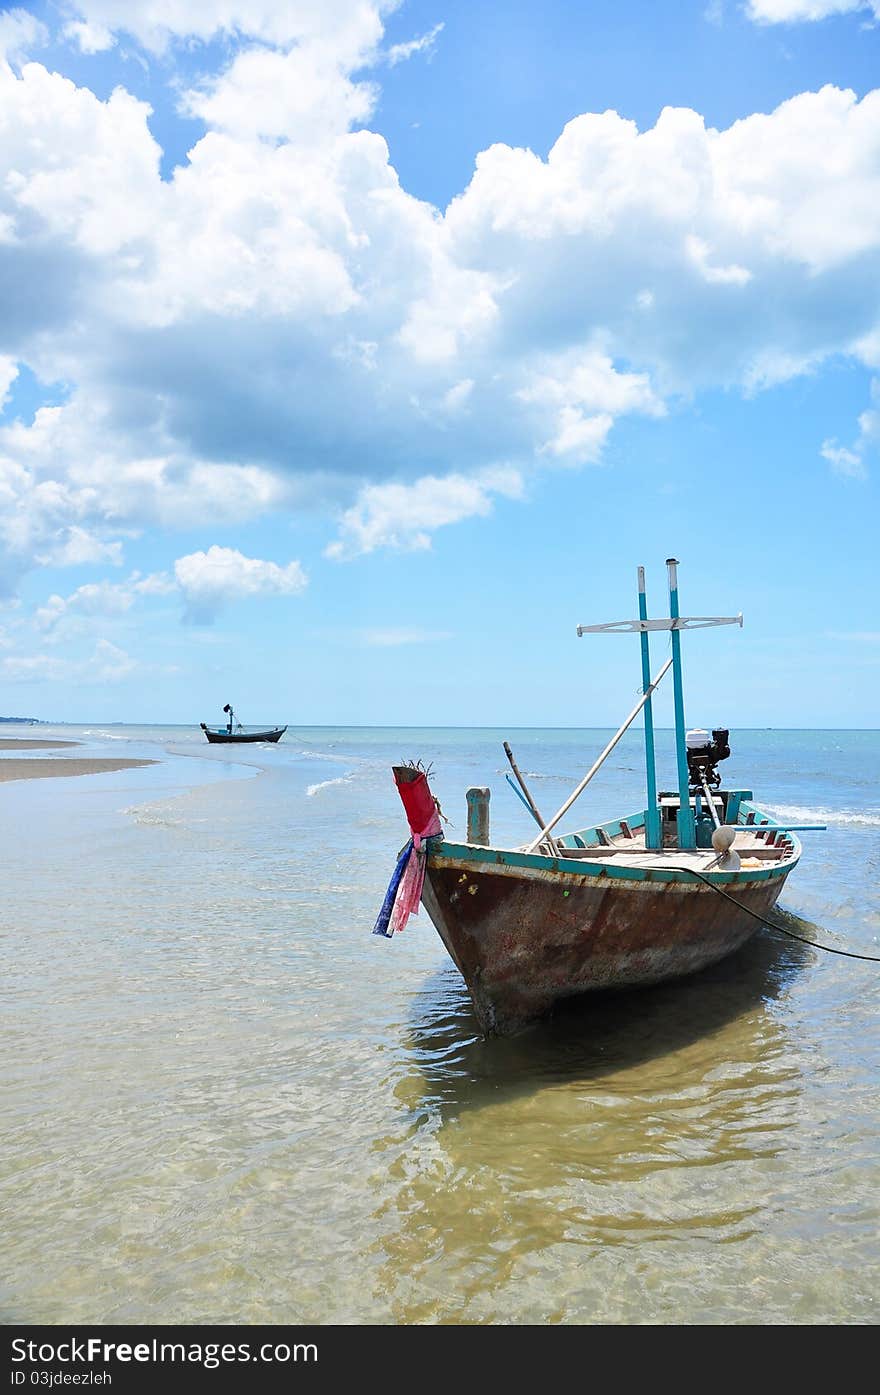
[
  {"x": 527, "y": 930},
  {"x": 659, "y": 894}
]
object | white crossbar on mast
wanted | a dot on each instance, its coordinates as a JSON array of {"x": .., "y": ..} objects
[{"x": 679, "y": 622}]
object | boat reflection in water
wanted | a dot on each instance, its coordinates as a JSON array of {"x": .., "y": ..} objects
[
  {"x": 458, "y": 1068},
  {"x": 571, "y": 1165}
]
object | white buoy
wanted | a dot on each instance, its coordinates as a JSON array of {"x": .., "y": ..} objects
[{"x": 722, "y": 842}]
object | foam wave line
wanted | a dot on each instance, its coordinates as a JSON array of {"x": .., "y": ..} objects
[
  {"x": 325, "y": 784},
  {"x": 865, "y": 818}
]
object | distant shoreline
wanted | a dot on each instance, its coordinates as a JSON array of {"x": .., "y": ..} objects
[{"x": 55, "y": 767}]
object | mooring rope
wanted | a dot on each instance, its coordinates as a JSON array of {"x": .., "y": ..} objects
[{"x": 829, "y": 949}]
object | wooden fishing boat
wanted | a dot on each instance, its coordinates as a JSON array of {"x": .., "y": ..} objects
[
  {"x": 235, "y": 732},
  {"x": 659, "y": 893}
]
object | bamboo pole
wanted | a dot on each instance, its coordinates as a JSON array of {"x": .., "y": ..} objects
[
  {"x": 710, "y": 802},
  {"x": 608, "y": 749},
  {"x": 530, "y": 803}
]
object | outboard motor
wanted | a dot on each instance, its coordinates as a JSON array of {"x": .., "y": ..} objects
[{"x": 704, "y": 753}]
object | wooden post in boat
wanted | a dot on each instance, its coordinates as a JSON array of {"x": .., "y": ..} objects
[
  {"x": 478, "y": 815},
  {"x": 653, "y": 834},
  {"x": 687, "y": 837}
]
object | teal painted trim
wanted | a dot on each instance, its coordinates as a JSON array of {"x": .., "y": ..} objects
[
  {"x": 614, "y": 826},
  {"x": 685, "y": 819},
  {"x": 589, "y": 837},
  {"x": 653, "y": 837},
  {"x": 735, "y": 800},
  {"x": 486, "y": 858}
]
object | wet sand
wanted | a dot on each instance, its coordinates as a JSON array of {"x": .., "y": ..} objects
[
  {"x": 33, "y": 768},
  {"x": 27, "y": 743}
]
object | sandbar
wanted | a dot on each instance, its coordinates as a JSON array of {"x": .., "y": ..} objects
[
  {"x": 27, "y": 743},
  {"x": 33, "y": 768}
]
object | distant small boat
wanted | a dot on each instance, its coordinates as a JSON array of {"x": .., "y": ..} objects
[
  {"x": 235, "y": 732},
  {"x": 660, "y": 893}
]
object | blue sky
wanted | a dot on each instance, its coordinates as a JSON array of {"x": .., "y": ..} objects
[{"x": 353, "y": 352}]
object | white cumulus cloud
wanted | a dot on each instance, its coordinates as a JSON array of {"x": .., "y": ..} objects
[
  {"x": 76, "y": 547},
  {"x": 100, "y": 599},
  {"x": 8, "y": 375},
  {"x": 403, "y": 516},
  {"x": 351, "y": 27},
  {"x": 20, "y": 32},
  {"x": 280, "y": 325},
  {"x": 425, "y": 43},
  {"x": 106, "y": 664},
  {"x": 216, "y": 578},
  {"x": 586, "y": 393},
  {"x": 842, "y": 460},
  {"x": 795, "y": 11}
]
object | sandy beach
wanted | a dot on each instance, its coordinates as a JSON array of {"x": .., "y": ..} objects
[
  {"x": 33, "y": 768},
  {"x": 27, "y": 743}
]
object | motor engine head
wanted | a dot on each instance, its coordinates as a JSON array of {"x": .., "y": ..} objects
[{"x": 704, "y": 753}]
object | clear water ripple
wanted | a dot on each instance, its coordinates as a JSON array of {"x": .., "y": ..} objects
[{"x": 227, "y": 1102}]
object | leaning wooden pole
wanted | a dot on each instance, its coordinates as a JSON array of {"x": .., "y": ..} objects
[
  {"x": 607, "y": 751},
  {"x": 532, "y": 806}
]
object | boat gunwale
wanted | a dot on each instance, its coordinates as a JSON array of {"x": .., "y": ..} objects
[
  {"x": 241, "y": 732},
  {"x": 443, "y": 853}
]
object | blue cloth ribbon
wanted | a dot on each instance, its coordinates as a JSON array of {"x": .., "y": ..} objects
[{"x": 384, "y": 917}]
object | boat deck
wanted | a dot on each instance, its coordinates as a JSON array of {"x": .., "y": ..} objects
[{"x": 753, "y": 851}]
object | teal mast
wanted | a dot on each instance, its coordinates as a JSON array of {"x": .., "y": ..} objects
[
  {"x": 686, "y": 830},
  {"x": 652, "y": 814},
  {"x": 675, "y": 623}
]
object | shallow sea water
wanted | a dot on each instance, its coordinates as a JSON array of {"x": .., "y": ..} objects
[{"x": 226, "y": 1101}]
